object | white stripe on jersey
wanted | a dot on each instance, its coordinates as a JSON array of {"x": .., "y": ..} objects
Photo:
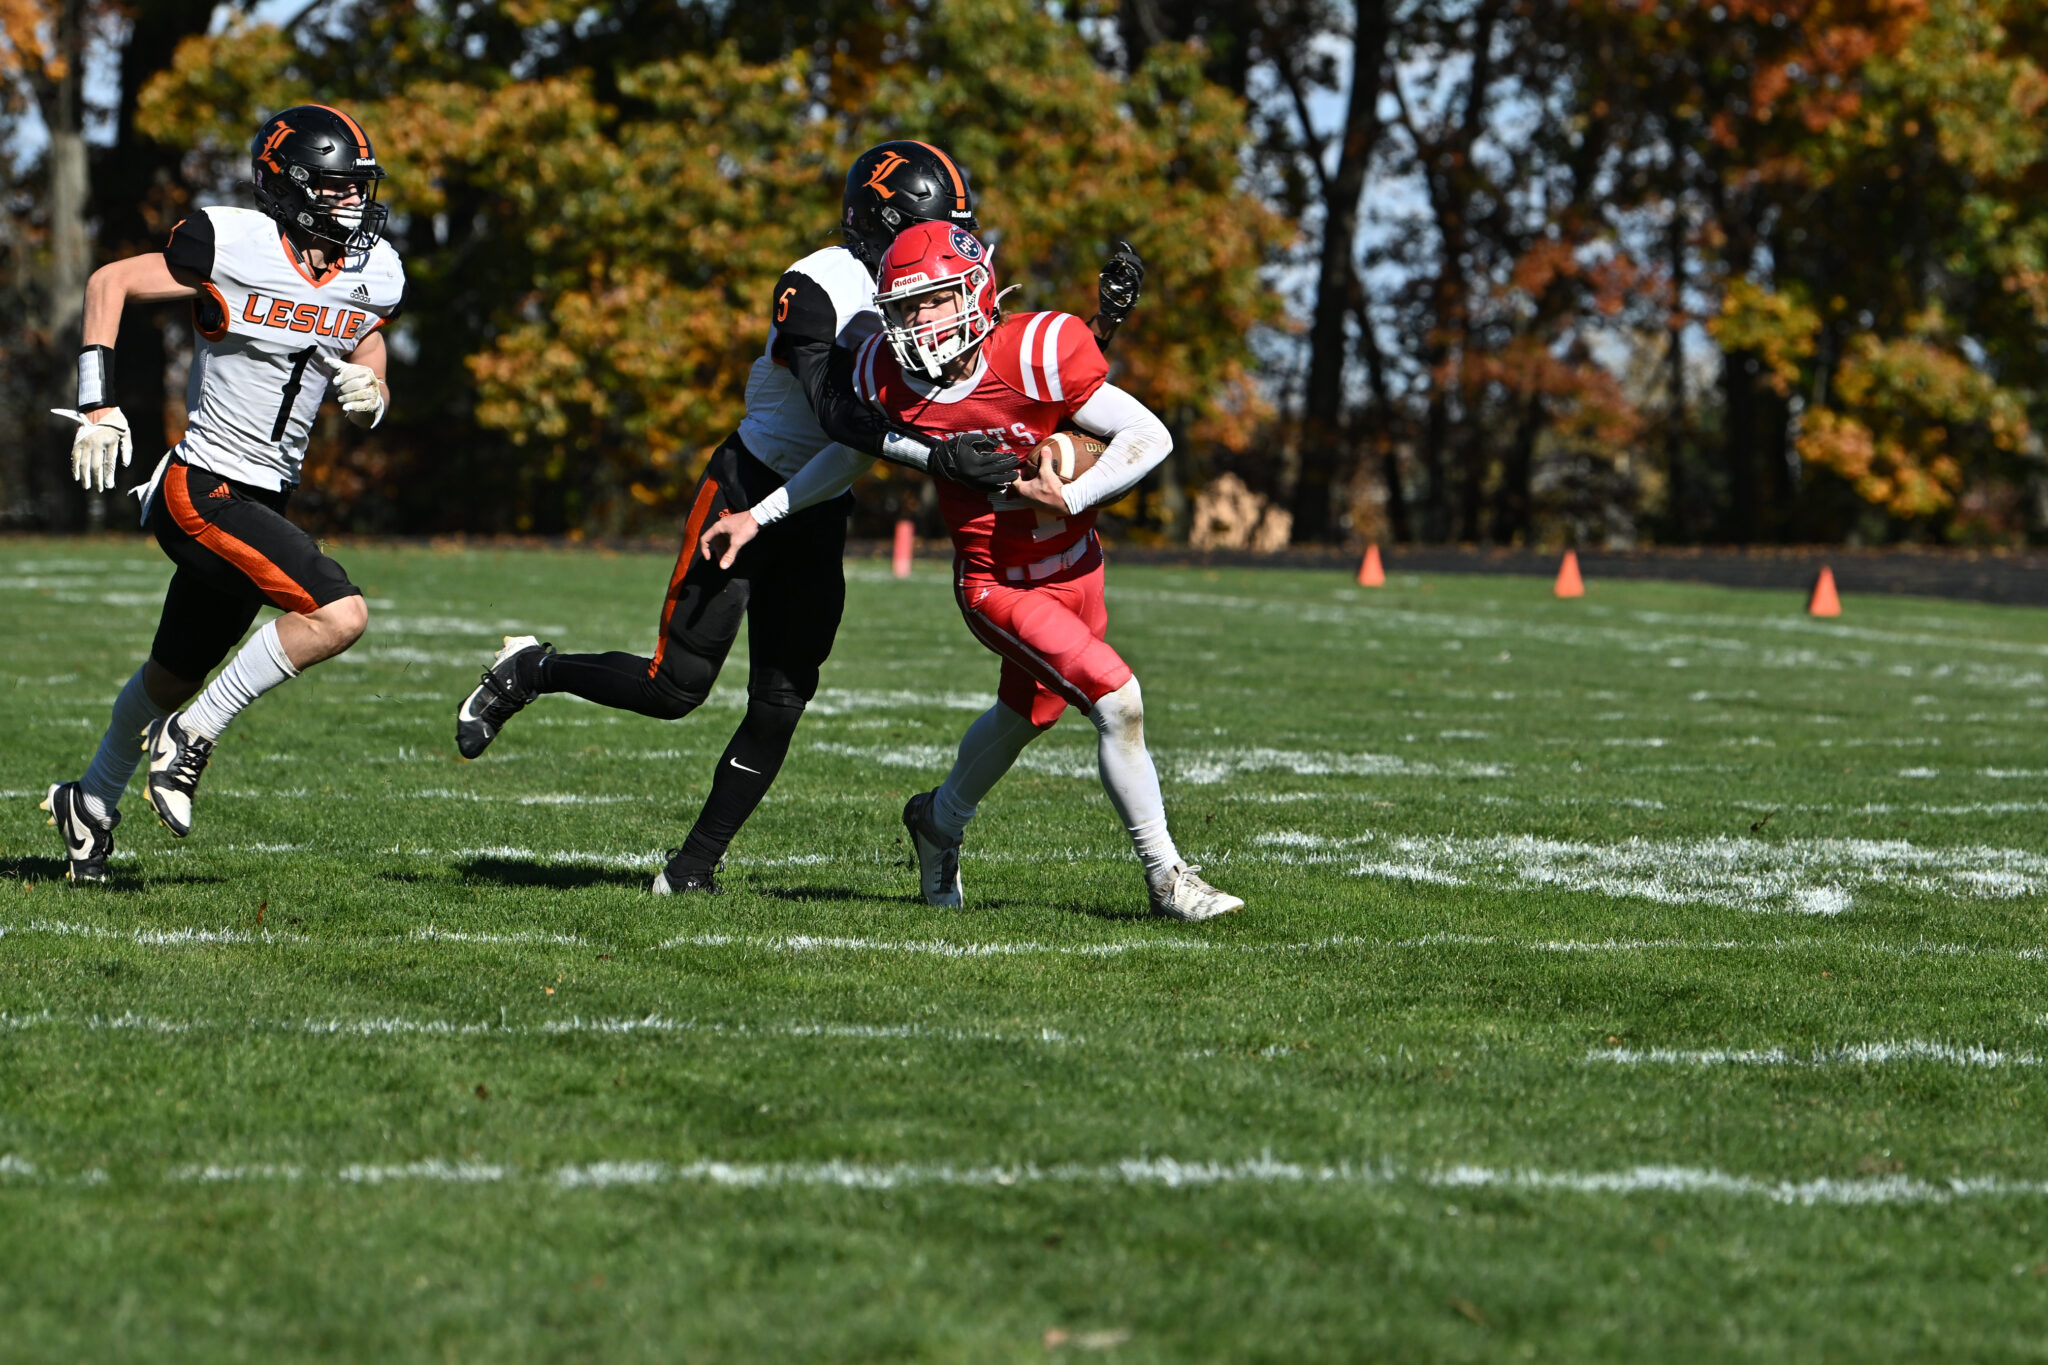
[
  {"x": 1052, "y": 358},
  {"x": 864, "y": 370},
  {"x": 1024, "y": 354}
]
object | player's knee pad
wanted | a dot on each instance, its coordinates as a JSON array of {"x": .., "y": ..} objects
[
  {"x": 1120, "y": 715},
  {"x": 679, "y": 686}
]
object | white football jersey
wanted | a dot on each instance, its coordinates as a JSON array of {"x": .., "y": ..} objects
[
  {"x": 827, "y": 296},
  {"x": 269, "y": 336}
]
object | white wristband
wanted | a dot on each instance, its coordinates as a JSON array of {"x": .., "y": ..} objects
[
  {"x": 95, "y": 378},
  {"x": 907, "y": 450}
]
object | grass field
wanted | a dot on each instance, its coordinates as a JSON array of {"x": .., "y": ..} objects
[{"x": 1659, "y": 975}]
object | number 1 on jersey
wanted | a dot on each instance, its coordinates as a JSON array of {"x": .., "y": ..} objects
[{"x": 291, "y": 391}]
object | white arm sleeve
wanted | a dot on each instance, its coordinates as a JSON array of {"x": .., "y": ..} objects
[
  {"x": 830, "y": 472},
  {"x": 1137, "y": 440}
]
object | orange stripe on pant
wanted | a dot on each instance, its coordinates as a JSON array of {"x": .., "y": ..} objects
[
  {"x": 691, "y": 529},
  {"x": 273, "y": 582}
]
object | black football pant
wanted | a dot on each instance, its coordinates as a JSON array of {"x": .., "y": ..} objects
[
  {"x": 234, "y": 551},
  {"x": 790, "y": 587}
]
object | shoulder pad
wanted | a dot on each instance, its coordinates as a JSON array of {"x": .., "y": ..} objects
[{"x": 1050, "y": 357}]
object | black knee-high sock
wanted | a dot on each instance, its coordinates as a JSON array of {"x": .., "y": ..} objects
[{"x": 746, "y": 770}]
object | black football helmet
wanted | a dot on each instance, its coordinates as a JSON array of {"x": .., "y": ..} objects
[
  {"x": 895, "y": 184},
  {"x": 307, "y": 160}
]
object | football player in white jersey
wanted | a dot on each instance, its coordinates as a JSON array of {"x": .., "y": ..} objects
[
  {"x": 800, "y": 404},
  {"x": 288, "y": 300}
]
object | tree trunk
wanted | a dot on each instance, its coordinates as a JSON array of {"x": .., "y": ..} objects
[
  {"x": 139, "y": 194},
  {"x": 1175, "y": 519},
  {"x": 1471, "y": 483},
  {"x": 1382, "y": 415},
  {"x": 1436, "y": 435},
  {"x": 62, "y": 103},
  {"x": 1511, "y": 521},
  {"x": 1675, "y": 415},
  {"x": 1322, "y": 443},
  {"x": 1739, "y": 397}
]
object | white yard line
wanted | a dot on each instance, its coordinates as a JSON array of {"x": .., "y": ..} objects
[
  {"x": 1195, "y": 767},
  {"x": 1887, "y": 1053},
  {"x": 1801, "y": 876},
  {"x": 1148, "y": 1172},
  {"x": 946, "y": 949},
  {"x": 653, "y": 1024}
]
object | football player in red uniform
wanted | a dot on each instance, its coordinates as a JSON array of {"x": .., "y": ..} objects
[{"x": 1027, "y": 563}]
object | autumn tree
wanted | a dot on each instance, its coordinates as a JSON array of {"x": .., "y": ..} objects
[{"x": 593, "y": 225}]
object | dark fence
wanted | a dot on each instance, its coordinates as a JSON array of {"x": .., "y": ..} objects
[{"x": 2019, "y": 579}]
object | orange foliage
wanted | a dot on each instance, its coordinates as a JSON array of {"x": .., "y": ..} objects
[{"x": 1905, "y": 412}]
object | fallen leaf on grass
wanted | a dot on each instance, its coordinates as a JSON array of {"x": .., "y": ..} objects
[
  {"x": 1467, "y": 1309},
  {"x": 1056, "y": 1337}
]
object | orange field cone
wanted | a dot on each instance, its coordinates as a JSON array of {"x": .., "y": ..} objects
[
  {"x": 1569, "y": 583},
  {"x": 1370, "y": 574},
  {"x": 1824, "y": 602},
  {"x": 901, "y": 562}
]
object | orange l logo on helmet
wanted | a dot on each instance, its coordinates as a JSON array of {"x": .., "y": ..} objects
[
  {"x": 890, "y": 161},
  {"x": 277, "y": 135}
]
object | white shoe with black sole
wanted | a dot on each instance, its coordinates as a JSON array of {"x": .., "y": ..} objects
[
  {"x": 506, "y": 688},
  {"x": 938, "y": 859},
  {"x": 87, "y": 840},
  {"x": 177, "y": 760}
]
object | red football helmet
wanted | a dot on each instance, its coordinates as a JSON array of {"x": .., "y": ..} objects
[{"x": 925, "y": 260}]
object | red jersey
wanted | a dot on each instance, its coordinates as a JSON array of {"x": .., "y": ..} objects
[{"x": 1035, "y": 370}]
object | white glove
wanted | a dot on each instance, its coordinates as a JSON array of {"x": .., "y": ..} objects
[
  {"x": 94, "y": 448},
  {"x": 360, "y": 395}
]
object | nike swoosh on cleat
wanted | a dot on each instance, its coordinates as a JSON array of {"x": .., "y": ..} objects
[
  {"x": 743, "y": 767},
  {"x": 465, "y": 713}
]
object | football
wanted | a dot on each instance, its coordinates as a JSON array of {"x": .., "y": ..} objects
[{"x": 1073, "y": 454}]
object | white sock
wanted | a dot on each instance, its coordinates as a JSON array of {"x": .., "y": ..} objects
[
  {"x": 1131, "y": 780},
  {"x": 120, "y": 748},
  {"x": 256, "y": 668},
  {"x": 987, "y": 750}
]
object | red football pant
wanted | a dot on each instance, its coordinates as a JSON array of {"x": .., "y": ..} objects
[{"x": 1049, "y": 637}]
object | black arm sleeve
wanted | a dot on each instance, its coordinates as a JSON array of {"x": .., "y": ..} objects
[
  {"x": 826, "y": 372},
  {"x": 191, "y": 245}
]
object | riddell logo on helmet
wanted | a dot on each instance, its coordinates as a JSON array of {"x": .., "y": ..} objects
[
  {"x": 277, "y": 135},
  {"x": 888, "y": 165},
  {"x": 965, "y": 244}
]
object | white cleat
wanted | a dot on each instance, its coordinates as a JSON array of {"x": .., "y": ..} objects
[
  {"x": 938, "y": 859},
  {"x": 177, "y": 759},
  {"x": 1187, "y": 897}
]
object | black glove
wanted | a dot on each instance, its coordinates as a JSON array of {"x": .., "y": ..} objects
[
  {"x": 1121, "y": 279},
  {"x": 976, "y": 459}
]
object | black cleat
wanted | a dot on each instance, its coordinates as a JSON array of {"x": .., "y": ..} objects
[
  {"x": 938, "y": 858},
  {"x": 508, "y": 685},
  {"x": 87, "y": 842},
  {"x": 177, "y": 758},
  {"x": 678, "y": 880}
]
